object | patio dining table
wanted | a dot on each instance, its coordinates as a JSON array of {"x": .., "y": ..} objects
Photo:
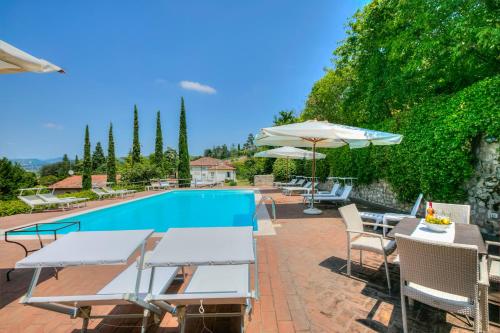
[{"x": 467, "y": 234}]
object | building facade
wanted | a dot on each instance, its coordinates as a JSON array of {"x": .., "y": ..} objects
[{"x": 212, "y": 170}]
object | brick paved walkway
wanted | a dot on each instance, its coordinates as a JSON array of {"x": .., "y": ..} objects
[{"x": 303, "y": 288}]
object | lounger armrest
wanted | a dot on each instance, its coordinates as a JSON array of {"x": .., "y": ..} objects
[
  {"x": 366, "y": 233},
  {"x": 483, "y": 272},
  {"x": 488, "y": 243},
  {"x": 378, "y": 225}
]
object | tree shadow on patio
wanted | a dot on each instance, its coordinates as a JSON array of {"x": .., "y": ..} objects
[
  {"x": 385, "y": 314},
  {"x": 18, "y": 285}
]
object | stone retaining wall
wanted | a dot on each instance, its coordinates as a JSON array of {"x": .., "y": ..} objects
[
  {"x": 483, "y": 190},
  {"x": 263, "y": 180}
]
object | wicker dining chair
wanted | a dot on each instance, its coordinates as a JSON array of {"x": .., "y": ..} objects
[
  {"x": 443, "y": 275},
  {"x": 493, "y": 263},
  {"x": 456, "y": 213},
  {"x": 358, "y": 239}
]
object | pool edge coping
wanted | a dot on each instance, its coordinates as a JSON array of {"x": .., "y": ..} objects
[{"x": 263, "y": 218}]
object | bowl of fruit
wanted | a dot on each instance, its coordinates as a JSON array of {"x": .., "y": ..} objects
[{"x": 437, "y": 223}]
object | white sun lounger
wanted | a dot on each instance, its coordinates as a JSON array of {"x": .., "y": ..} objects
[
  {"x": 34, "y": 201},
  {"x": 385, "y": 218},
  {"x": 100, "y": 248},
  {"x": 121, "y": 193},
  {"x": 211, "y": 285},
  {"x": 222, "y": 256},
  {"x": 51, "y": 198},
  {"x": 342, "y": 198},
  {"x": 289, "y": 190},
  {"x": 101, "y": 193},
  {"x": 332, "y": 192}
]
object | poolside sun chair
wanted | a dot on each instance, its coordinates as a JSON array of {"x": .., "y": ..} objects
[
  {"x": 101, "y": 193},
  {"x": 130, "y": 287},
  {"x": 337, "y": 199},
  {"x": 293, "y": 182},
  {"x": 164, "y": 184},
  {"x": 122, "y": 193},
  {"x": 385, "y": 218},
  {"x": 222, "y": 258},
  {"x": 446, "y": 276},
  {"x": 332, "y": 192},
  {"x": 34, "y": 201},
  {"x": 210, "y": 285},
  {"x": 51, "y": 198},
  {"x": 154, "y": 184},
  {"x": 358, "y": 239},
  {"x": 289, "y": 190}
]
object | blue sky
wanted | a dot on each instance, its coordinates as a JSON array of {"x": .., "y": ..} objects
[{"x": 237, "y": 63}]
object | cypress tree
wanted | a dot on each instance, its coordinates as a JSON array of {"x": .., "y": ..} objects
[
  {"x": 136, "y": 147},
  {"x": 87, "y": 163},
  {"x": 183, "y": 169},
  {"x": 111, "y": 161},
  {"x": 98, "y": 158},
  {"x": 158, "y": 157},
  {"x": 76, "y": 165},
  {"x": 66, "y": 165}
]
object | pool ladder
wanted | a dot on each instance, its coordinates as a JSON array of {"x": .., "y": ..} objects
[{"x": 262, "y": 202}]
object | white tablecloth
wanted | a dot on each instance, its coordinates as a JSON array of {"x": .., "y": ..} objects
[{"x": 422, "y": 232}]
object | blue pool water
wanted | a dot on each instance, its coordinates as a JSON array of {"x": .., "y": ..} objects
[{"x": 177, "y": 209}]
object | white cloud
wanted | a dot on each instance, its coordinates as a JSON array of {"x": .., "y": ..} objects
[
  {"x": 52, "y": 125},
  {"x": 196, "y": 86}
]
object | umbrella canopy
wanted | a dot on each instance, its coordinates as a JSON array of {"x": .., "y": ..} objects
[
  {"x": 289, "y": 152},
  {"x": 323, "y": 134},
  {"x": 313, "y": 133},
  {"x": 13, "y": 60}
]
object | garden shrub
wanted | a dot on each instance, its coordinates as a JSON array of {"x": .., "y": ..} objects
[
  {"x": 283, "y": 169},
  {"x": 11, "y": 207},
  {"x": 81, "y": 194}
]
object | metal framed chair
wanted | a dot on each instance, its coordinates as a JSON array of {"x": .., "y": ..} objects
[{"x": 358, "y": 239}]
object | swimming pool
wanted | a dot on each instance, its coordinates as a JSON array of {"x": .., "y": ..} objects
[{"x": 175, "y": 209}]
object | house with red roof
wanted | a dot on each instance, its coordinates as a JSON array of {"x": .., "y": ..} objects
[
  {"x": 209, "y": 169},
  {"x": 74, "y": 183}
]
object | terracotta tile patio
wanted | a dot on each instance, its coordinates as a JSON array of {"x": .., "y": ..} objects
[{"x": 302, "y": 283}]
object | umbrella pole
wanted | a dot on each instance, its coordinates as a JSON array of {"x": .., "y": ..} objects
[
  {"x": 311, "y": 210},
  {"x": 287, "y": 170},
  {"x": 313, "y": 173}
]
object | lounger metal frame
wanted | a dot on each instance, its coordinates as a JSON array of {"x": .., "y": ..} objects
[
  {"x": 209, "y": 299},
  {"x": 84, "y": 312}
]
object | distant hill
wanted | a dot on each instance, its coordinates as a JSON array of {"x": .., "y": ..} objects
[{"x": 34, "y": 164}]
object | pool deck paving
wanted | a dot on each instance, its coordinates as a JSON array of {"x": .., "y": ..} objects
[{"x": 303, "y": 285}]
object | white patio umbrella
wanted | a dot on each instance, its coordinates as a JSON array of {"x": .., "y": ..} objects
[
  {"x": 13, "y": 60},
  {"x": 313, "y": 133},
  {"x": 289, "y": 153}
]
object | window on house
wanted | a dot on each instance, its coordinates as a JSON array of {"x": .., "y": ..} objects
[{"x": 228, "y": 174}]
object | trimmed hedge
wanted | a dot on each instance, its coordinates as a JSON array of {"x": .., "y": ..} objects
[{"x": 436, "y": 154}]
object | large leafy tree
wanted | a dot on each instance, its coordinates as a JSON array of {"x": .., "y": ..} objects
[
  {"x": 111, "y": 160},
  {"x": 12, "y": 178},
  {"x": 158, "y": 156},
  {"x": 284, "y": 117},
  {"x": 136, "y": 146},
  {"x": 87, "y": 162},
  {"x": 98, "y": 158},
  {"x": 411, "y": 67},
  {"x": 183, "y": 169}
]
